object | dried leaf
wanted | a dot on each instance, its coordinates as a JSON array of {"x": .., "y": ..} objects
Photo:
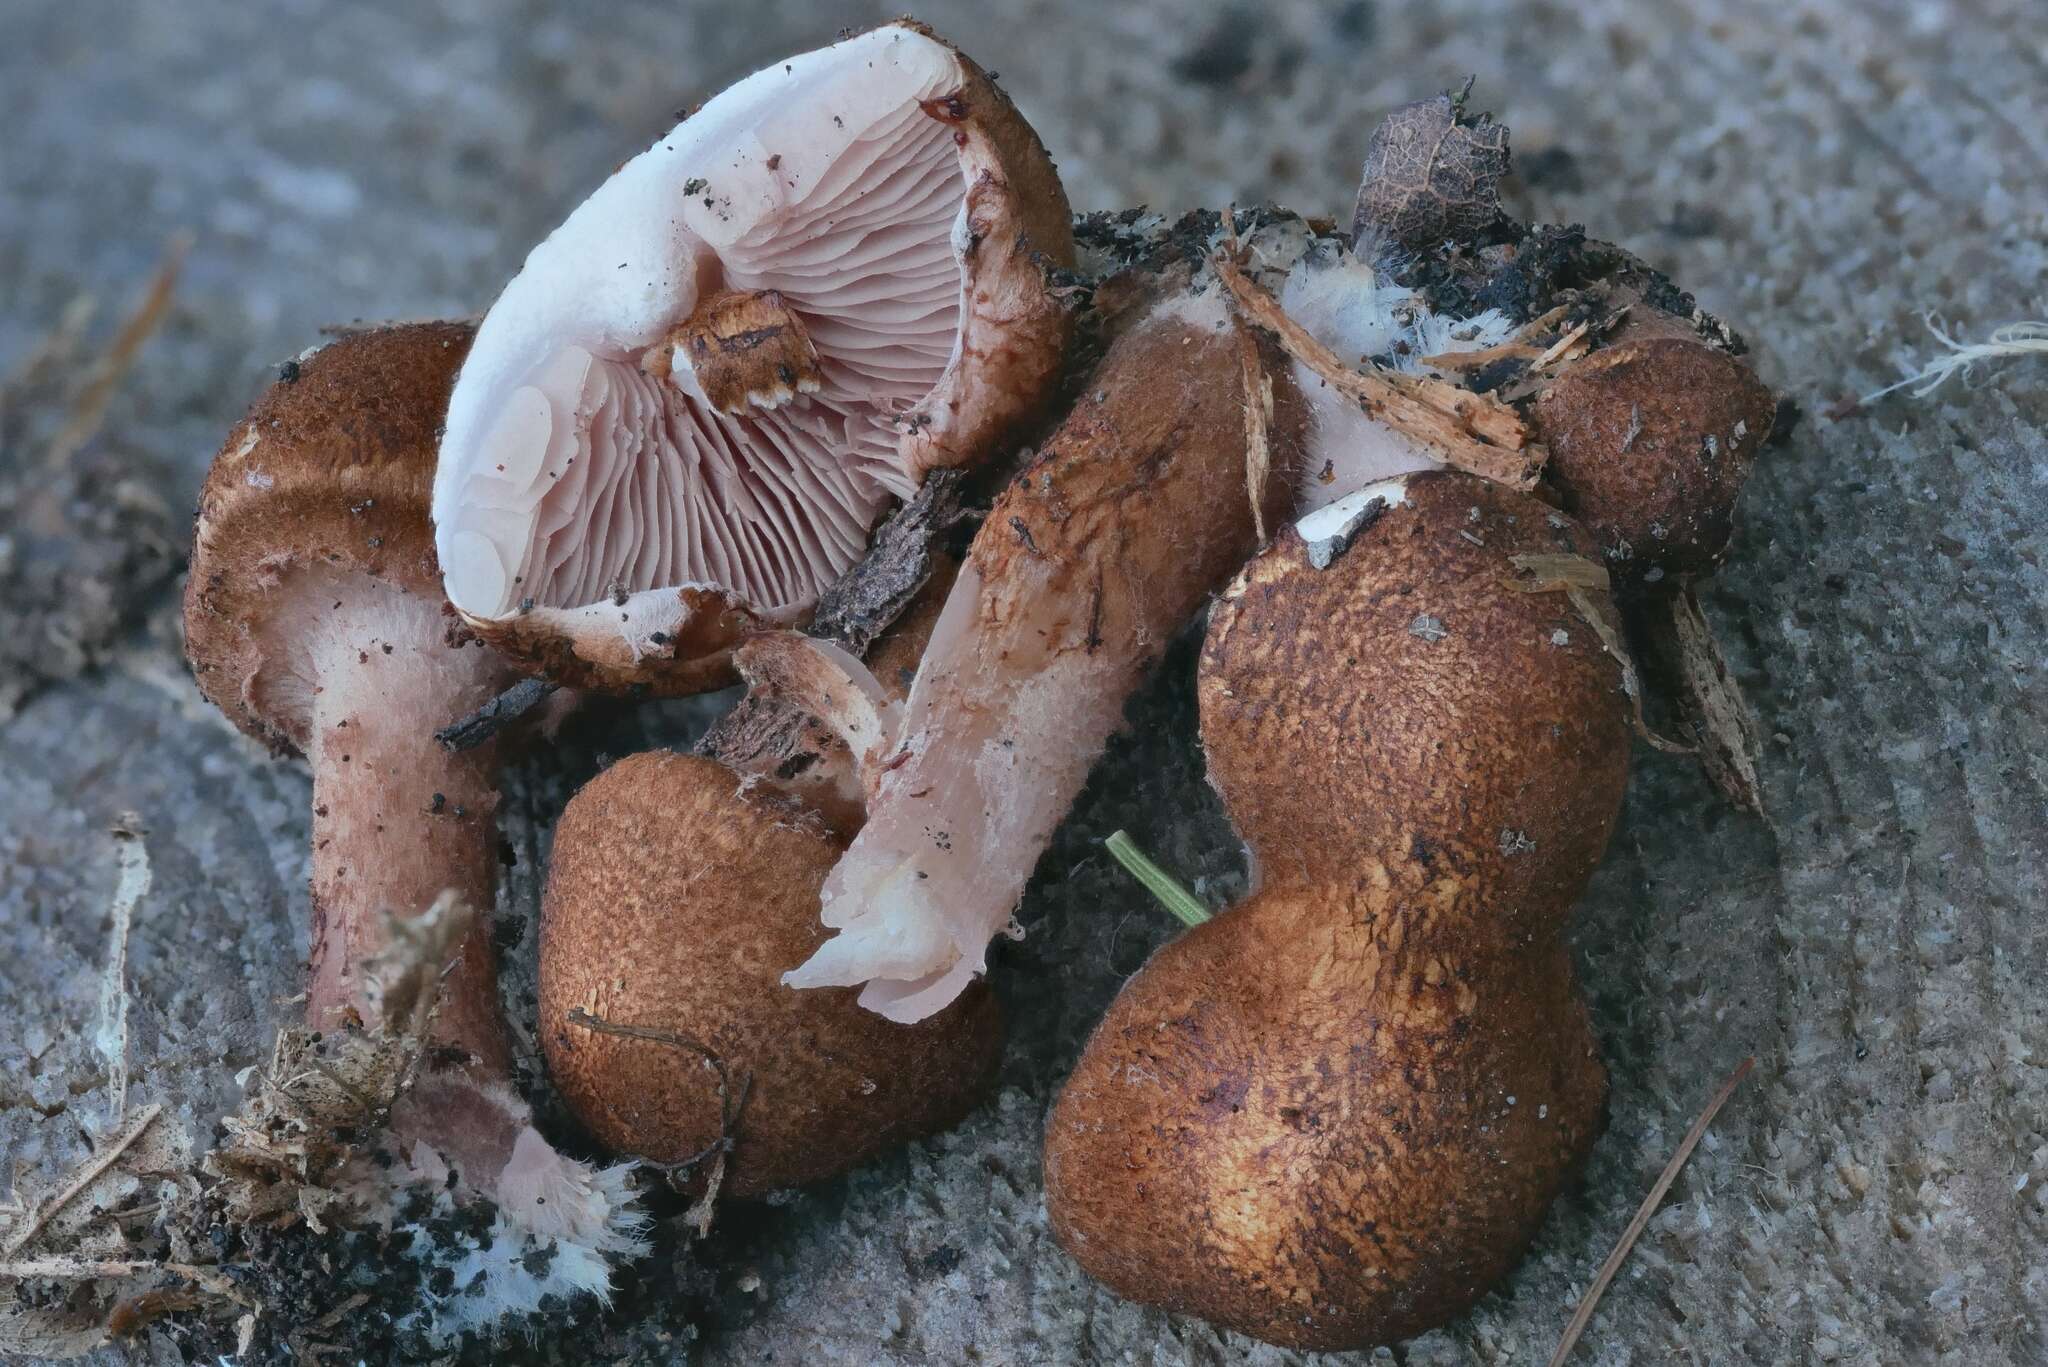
[
  {"x": 281, "y": 1160},
  {"x": 1546, "y": 573},
  {"x": 1580, "y": 579},
  {"x": 1430, "y": 176},
  {"x": 1689, "y": 663}
]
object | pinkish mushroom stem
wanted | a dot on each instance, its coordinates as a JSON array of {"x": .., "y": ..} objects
[
  {"x": 398, "y": 820},
  {"x": 1137, "y": 509}
]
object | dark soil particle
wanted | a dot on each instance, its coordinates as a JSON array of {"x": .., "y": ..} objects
[
  {"x": 939, "y": 1262},
  {"x": 1534, "y": 270},
  {"x": 303, "y": 1277}
]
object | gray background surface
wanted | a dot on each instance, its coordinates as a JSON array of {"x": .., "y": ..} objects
[{"x": 1821, "y": 172}]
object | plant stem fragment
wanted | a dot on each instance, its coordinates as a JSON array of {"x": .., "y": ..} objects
[{"x": 1169, "y": 890}]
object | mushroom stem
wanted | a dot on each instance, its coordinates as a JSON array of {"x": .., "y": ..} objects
[
  {"x": 1087, "y": 565},
  {"x": 397, "y": 819}
]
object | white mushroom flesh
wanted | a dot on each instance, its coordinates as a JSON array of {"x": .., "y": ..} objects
[{"x": 1350, "y": 308}]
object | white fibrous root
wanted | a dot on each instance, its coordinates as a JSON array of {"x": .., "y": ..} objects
[
  {"x": 560, "y": 1225},
  {"x": 438, "y": 1140},
  {"x": 1089, "y": 562}
]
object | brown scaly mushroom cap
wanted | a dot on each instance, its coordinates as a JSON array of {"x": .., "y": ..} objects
[
  {"x": 329, "y": 474},
  {"x": 1477, "y": 716},
  {"x": 683, "y": 416},
  {"x": 314, "y": 620},
  {"x": 1653, "y": 421},
  {"x": 678, "y": 894},
  {"x": 1651, "y": 440},
  {"x": 1334, "y": 1115},
  {"x": 682, "y": 887}
]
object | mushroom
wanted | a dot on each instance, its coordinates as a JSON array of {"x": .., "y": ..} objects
[
  {"x": 1359, "y": 312},
  {"x": 681, "y": 419},
  {"x": 314, "y": 621},
  {"x": 1143, "y": 502},
  {"x": 1333, "y": 1116},
  {"x": 681, "y": 887},
  {"x": 677, "y": 895},
  {"x": 775, "y": 733},
  {"x": 1651, "y": 419},
  {"x": 1651, "y": 441}
]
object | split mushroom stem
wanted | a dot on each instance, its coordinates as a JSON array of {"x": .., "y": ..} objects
[
  {"x": 398, "y": 820},
  {"x": 1139, "y": 507}
]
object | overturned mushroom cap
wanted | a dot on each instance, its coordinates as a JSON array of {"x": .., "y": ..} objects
[{"x": 685, "y": 413}]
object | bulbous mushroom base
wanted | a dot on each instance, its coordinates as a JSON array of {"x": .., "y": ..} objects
[
  {"x": 678, "y": 895},
  {"x": 1293, "y": 1124},
  {"x": 558, "y": 1227},
  {"x": 1651, "y": 441}
]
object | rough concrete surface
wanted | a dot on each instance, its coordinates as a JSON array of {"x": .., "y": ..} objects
[{"x": 1822, "y": 172}]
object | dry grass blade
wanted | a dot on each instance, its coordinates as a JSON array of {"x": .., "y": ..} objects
[
  {"x": 57, "y": 347},
  {"x": 89, "y": 409},
  {"x": 1482, "y": 358},
  {"x": 1563, "y": 345},
  {"x": 1475, "y": 433},
  {"x": 1258, "y": 418},
  {"x": 64, "y": 1268},
  {"x": 1584, "y": 1315},
  {"x": 87, "y": 1173},
  {"x": 110, "y": 1036}
]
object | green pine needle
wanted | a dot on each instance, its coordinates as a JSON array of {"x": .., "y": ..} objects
[{"x": 1161, "y": 884}]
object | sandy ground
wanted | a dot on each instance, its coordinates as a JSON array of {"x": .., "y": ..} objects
[{"x": 1821, "y": 172}]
